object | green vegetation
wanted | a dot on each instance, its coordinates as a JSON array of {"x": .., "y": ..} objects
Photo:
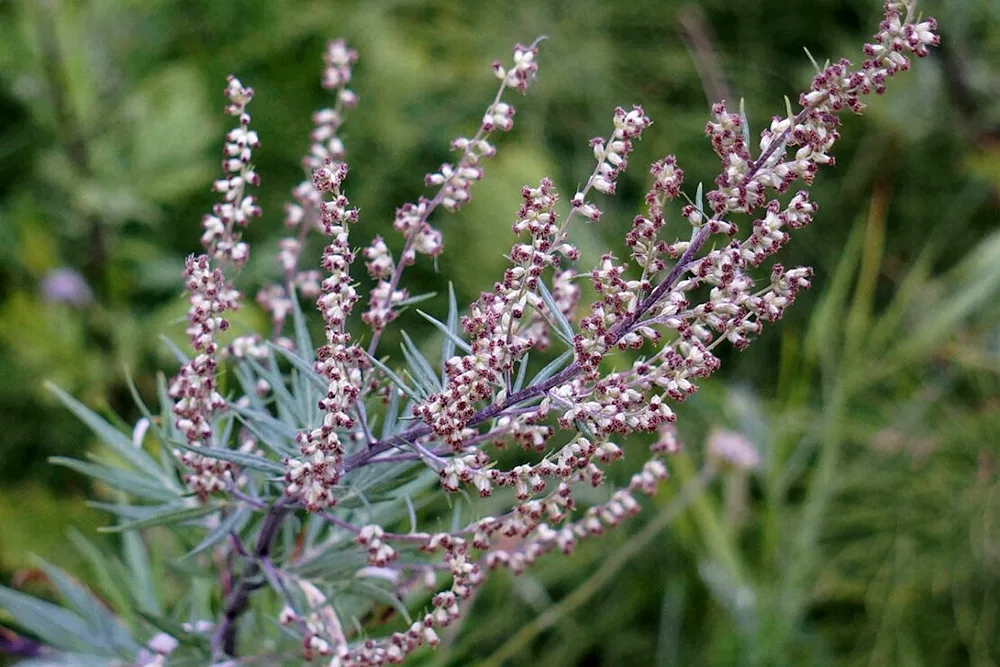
[{"x": 871, "y": 533}]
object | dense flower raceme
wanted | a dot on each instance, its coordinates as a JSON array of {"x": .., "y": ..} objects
[
  {"x": 211, "y": 296},
  {"x": 673, "y": 300}
]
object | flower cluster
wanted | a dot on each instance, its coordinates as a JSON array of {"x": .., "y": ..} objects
[
  {"x": 211, "y": 296},
  {"x": 305, "y": 215},
  {"x": 494, "y": 322},
  {"x": 454, "y": 186},
  {"x": 312, "y": 477},
  {"x": 221, "y": 237},
  {"x": 670, "y": 303}
]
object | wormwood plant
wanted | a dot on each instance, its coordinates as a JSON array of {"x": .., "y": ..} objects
[{"x": 309, "y": 487}]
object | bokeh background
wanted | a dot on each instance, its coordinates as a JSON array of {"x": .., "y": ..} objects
[{"x": 870, "y": 535}]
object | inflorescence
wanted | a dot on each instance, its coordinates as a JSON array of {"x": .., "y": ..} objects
[{"x": 674, "y": 301}]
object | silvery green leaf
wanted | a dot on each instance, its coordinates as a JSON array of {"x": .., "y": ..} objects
[
  {"x": 303, "y": 343},
  {"x": 178, "y": 353},
  {"x": 285, "y": 400},
  {"x": 303, "y": 366},
  {"x": 391, "y": 415},
  {"x": 162, "y": 430},
  {"x": 315, "y": 525},
  {"x": 248, "y": 385},
  {"x": 109, "y": 435},
  {"x": 101, "y": 574},
  {"x": 143, "y": 408},
  {"x": 251, "y": 461},
  {"x": 522, "y": 369},
  {"x": 421, "y": 368},
  {"x": 746, "y": 123},
  {"x": 226, "y": 424},
  {"x": 699, "y": 198},
  {"x": 125, "y": 511},
  {"x": 396, "y": 380},
  {"x": 168, "y": 515},
  {"x": 552, "y": 368},
  {"x": 57, "y": 627},
  {"x": 812, "y": 60},
  {"x": 137, "y": 559},
  {"x": 167, "y": 423},
  {"x": 415, "y": 299},
  {"x": 136, "y": 484},
  {"x": 331, "y": 564},
  {"x": 452, "y": 339},
  {"x": 270, "y": 432},
  {"x": 562, "y": 327},
  {"x": 452, "y": 325},
  {"x": 370, "y": 585},
  {"x": 107, "y": 626},
  {"x": 234, "y": 522}
]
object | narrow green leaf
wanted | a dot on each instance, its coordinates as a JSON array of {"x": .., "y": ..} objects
[
  {"x": 391, "y": 415},
  {"x": 303, "y": 366},
  {"x": 168, "y": 516},
  {"x": 522, "y": 370},
  {"x": 137, "y": 559},
  {"x": 746, "y": 123},
  {"x": 177, "y": 631},
  {"x": 278, "y": 389},
  {"x": 562, "y": 326},
  {"x": 449, "y": 348},
  {"x": 380, "y": 594},
  {"x": 66, "y": 660},
  {"x": 178, "y": 353},
  {"x": 552, "y": 368},
  {"x": 107, "y": 626},
  {"x": 234, "y": 522},
  {"x": 100, "y": 575},
  {"x": 125, "y": 511},
  {"x": 303, "y": 343},
  {"x": 251, "y": 461},
  {"x": 110, "y": 436},
  {"x": 405, "y": 388},
  {"x": 135, "y": 484},
  {"x": 413, "y": 300},
  {"x": 452, "y": 339},
  {"x": 168, "y": 460},
  {"x": 58, "y": 627},
  {"x": 272, "y": 433},
  {"x": 425, "y": 374}
]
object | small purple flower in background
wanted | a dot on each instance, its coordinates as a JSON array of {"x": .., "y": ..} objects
[
  {"x": 733, "y": 449},
  {"x": 66, "y": 286}
]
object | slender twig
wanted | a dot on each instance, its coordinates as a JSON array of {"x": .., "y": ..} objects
[{"x": 237, "y": 602}]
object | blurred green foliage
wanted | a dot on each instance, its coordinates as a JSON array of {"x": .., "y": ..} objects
[{"x": 871, "y": 533}]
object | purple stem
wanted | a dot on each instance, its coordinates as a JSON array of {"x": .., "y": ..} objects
[{"x": 237, "y": 602}]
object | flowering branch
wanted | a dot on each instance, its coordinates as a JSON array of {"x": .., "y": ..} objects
[{"x": 294, "y": 455}]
